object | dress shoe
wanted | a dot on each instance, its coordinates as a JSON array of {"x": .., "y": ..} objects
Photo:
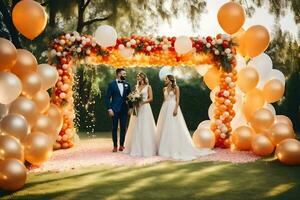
[
  {"x": 121, "y": 148},
  {"x": 115, "y": 149}
]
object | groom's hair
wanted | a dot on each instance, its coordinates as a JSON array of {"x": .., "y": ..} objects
[{"x": 119, "y": 70}]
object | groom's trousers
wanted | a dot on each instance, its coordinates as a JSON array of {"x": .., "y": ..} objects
[{"x": 122, "y": 118}]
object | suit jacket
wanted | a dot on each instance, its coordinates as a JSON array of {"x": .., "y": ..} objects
[{"x": 113, "y": 98}]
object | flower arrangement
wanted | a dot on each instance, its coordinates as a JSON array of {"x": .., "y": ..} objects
[{"x": 135, "y": 98}]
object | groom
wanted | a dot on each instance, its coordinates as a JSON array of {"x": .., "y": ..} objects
[{"x": 118, "y": 109}]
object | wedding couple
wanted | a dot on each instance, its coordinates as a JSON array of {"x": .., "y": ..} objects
[{"x": 170, "y": 138}]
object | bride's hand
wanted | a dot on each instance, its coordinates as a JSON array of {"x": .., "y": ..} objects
[{"x": 175, "y": 112}]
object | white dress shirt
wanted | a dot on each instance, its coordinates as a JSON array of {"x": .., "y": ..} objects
[{"x": 121, "y": 87}]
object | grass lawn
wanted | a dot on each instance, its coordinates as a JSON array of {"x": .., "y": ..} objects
[{"x": 263, "y": 179}]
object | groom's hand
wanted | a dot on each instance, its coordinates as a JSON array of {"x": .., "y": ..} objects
[
  {"x": 111, "y": 113},
  {"x": 130, "y": 111}
]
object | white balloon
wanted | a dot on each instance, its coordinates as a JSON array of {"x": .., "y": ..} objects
[
  {"x": 213, "y": 93},
  {"x": 127, "y": 52},
  {"x": 238, "y": 120},
  {"x": 211, "y": 110},
  {"x": 240, "y": 62},
  {"x": 106, "y": 36},
  {"x": 3, "y": 110},
  {"x": 263, "y": 64},
  {"x": 164, "y": 71},
  {"x": 48, "y": 74},
  {"x": 271, "y": 108},
  {"x": 276, "y": 74},
  {"x": 202, "y": 69},
  {"x": 10, "y": 87},
  {"x": 204, "y": 124},
  {"x": 183, "y": 45}
]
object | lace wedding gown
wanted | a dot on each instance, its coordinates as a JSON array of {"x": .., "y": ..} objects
[
  {"x": 141, "y": 134},
  {"x": 173, "y": 134}
]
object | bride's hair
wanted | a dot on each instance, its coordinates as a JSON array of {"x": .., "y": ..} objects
[
  {"x": 144, "y": 78},
  {"x": 173, "y": 81}
]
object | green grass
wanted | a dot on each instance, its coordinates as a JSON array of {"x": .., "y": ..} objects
[{"x": 263, "y": 179}]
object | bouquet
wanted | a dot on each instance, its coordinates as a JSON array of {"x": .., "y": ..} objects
[{"x": 135, "y": 98}]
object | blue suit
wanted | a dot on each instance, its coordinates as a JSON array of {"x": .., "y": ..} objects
[{"x": 115, "y": 101}]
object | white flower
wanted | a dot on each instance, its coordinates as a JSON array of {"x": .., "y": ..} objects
[
  {"x": 165, "y": 47},
  {"x": 88, "y": 40},
  {"x": 78, "y": 38},
  {"x": 64, "y": 53},
  {"x": 94, "y": 44},
  {"x": 219, "y": 41},
  {"x": 132, "y": 41},
  {"x": 68, "y": 36},
  {"x": 226, "y": 114},
  {"x": 121, "y": 46},
  {"x": 227, "y": 50},
  {"x": 217, "y": 52},
  {"x": 83, "y": 42},
  {"x": 231, "y": 84},
  {"x": 223, "y": 136},
  {"x": 65, "y": 66},
  {"x": 227, "y": 102},
  {"x": 58, "y": 54},
  {"x": 53, "y": 52},
  {"x": 208, "y": 45},
  {"x": 148, "y": 48},
  {"x": 218, "y": 122},
  {"x": 229, "y": 55},
  {"x": 213, "y": 42},
  {"x": 88, "y": 52},
  {"x": 72, "y": 39},
  {"x": 62, "y": 42},
  {"x": 78, "y": 50},
  {"x": 128, "y": 44}
]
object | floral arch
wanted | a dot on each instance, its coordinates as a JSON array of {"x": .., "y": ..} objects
[{"x": 219, "y": 52}]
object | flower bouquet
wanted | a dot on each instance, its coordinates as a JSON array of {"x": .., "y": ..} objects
[{"x": 135, "y": 98}]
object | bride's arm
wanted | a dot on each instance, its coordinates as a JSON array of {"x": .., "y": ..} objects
[
  {"x": 177, "y": 92},
  {"x": 150, "y": 95}
]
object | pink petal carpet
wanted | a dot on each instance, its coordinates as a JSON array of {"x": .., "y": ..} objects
[{"x": 97, "y": 151}]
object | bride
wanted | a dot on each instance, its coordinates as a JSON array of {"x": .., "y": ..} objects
[
  {"x": 174, "y": 136},
  {"x": 140, "y": 137}
]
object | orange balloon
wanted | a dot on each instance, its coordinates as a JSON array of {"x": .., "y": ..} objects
[
  {"x": 42, "y": 100},
  {"x": 204, "y": 138},
  {"x": 273, "y": 90},
  {"x": 31, "y": 83},
  {"x": 29, "y": 18},
  {"x": 280, "y": 132},
  {"x": 254, "y": 100},
  {"x": 10, "y": 147},
  {"x": 261, "y": 145},
  {"x": 26, "y": 63},
  {"x": 8, "y": 54},
  {"x": 212, "y": 77},
  {"x": 283, "y": 119},
  {"x": 247, "y": 79},
  {"x": 240, "y": 39},
  {"x": 257, "y": 40},
  {"x": 231, "y": 17},
  {"x": 242, "y": 137},
  {"x": 262, "y": 120},
  {"x": 288, "y": 152}
]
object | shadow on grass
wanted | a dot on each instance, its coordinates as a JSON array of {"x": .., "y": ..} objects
[{"x": 168, "y": 180}]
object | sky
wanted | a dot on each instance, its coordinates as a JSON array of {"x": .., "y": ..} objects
[{"x": 209, "y": 24}]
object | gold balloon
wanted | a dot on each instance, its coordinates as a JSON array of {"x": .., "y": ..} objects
[
  {"x": 45, "y": 125},
  {"x": 212, "y": 78},
  {"x": 26, "y": 63},
  {"x": 15, "y": 125},
  {"x": 25, "y": 107},
  {"x": 273, "y": 90},
  {"x": 242, "y": 137},
  {"x": 280, "y": 132},
  {"x": 257, "y": 40},
  {"x": 31, "y": 84},
  {"x": 262, "y": 120},
  {"x": 231, "y": 17},
  {"x": 240, "y": 39},
  {"x": 254, "y": 100},
  {"x": 283, "y": 119},
  {"x": 247, "y": 79},
  {"x": 29, "y": 18},
  {"x": 8, "y": 54},
  {"x": 262, "y": 146},
  {"x": 288, "y": 152},
  {"x": 48, "y": 74},
  {"x": 10, "y": 147},
  {"x": 55, "y": 114},
  {"x": 42, "y": 100},
  {"x": 38, "y": 148},
  {"x": 3, "y": 111},
  {"x": 13, "y": 174},
  {"x": 10, "y": 87},
  {"x": 204, "y": 138}
]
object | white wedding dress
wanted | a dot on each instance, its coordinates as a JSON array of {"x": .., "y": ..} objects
[
  {"x": 141, "y": 133},
  {"x": 173, "y": 134}
]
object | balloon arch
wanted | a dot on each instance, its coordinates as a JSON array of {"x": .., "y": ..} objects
[{"x": 218, "y": 52}]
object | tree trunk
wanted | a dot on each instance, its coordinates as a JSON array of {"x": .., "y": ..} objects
[
  {"x": 52, "y": 13},
  {"x": 7, "y": 19},
  {"x": 80, "y": 20}
]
